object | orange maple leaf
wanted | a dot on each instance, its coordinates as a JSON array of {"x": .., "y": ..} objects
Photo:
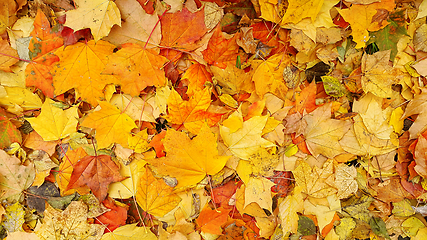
[
  {"x": 96, "y": 172},
  {"x": 137, "y": 68},
  {"x": 197, "y": 75},
  {"x": 182, "y": 29},
  {"x": 38, "y": 73},
  {"x": 80, "y": 67},
  {"x": 221, "y": 50},
  {"x": 210, "y": 221},
  {"x": 8, "y": 57},
  {"x": 191, "y": 114},
  {"x": 66, "y": 169},
  {"x": 306, "y": 99},
  {"x": 43, "y": 38}
]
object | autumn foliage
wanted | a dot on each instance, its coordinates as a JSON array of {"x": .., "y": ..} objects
[{"x": 239, "y": 119}]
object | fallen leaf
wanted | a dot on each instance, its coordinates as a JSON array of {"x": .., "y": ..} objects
[
  {"x": 288, "y": 210},
  {"x": 182, "y": 29},
  {"x": 130, "y": 232},
  {"x": 155, "y": 196},
  {"x": 115, "y": 217},
  {"x": 137, "y": 68},
  {"x": 221, "y": 50},
  {"x": 313, "y": 181},
  {"x": 345, "y": 180},
  {"x": 191, "y": 114},
  {"x": 8, "y": 132},
  {"x": 98, "y": 15},
  {"x": 323, "y": 133},
  {"x": 210, "y": 221},
  {"x": 297, "y": 10},
  {"x": 190, "y": 160},
  {"x": 96, "y": 172},
  {"x": 70, "y": 223},
  {"x": 54, "y": 123},
  {"x": 15, "y": 176},
  {"x": 8, "y": 57},
  {"x": 246, "y": 139},
  {"x": 258, "y": 190},
  {"x": 112, "y": 125},
  {"x": 80, "y": 67}
]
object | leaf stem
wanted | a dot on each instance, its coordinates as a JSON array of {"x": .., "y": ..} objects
[{"x": 152, "y": 31}]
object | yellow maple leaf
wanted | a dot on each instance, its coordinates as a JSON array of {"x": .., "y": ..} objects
[
  {"x": 300, "y": 9},
  {"x": 98, "y": 15},
  {"x": 191, "y": 114},
  {"x": 69, "y": 224},
  {"x": 244, "y": 139},
  {"x": 378, "y": 76},
  {"x": 313, "y": 180},
  {"x": 288, "y": 210},
  {"x": 80, "y": 67},
  {"x": 155, "y": 196},
  {"x": 129, "y": 232},
  {"x": 323, "y": 133},
  {"x": 54, "y": 123},
  {"x": 258, "y": 190},
  {"x": 190, "y": 160},
  {"x": 268, "y": 77},
  {"x": 112, "y": 125}
]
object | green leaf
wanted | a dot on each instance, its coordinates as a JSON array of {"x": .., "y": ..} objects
[
  {"x": 378, "y": 226},
  {"x": 306, "y": 226}
]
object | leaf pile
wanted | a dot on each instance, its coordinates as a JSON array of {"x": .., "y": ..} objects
[{"x": 149, "y": 119}]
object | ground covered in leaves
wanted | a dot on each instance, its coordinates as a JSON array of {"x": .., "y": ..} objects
[{"x": 239, "y": 119}]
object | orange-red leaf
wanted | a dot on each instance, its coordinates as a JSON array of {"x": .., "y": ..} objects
[
  {"x": 182, "y": 29},
  {"x": 96, "y": 172},
  {"x": 221, "y": 50},
  {"x": 210, "y": 221},
  {"x": 197, "y": 75},
  {"x": 38, "y": 73},
  {"x": 8, "y": 132}
]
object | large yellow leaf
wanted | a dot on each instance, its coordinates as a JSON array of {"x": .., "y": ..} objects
[
  {"x": 299, "y": 9},
  {"x": 258, "y": 190},
  {"x": 244, "y": 139},
  {"x": 191, "y": 114},
  {"x": 54, "y": 123},
  {"x": 112, "y": 125},
  {"x": 155, "y": 196},
  {"x": 190, "y": 160},
  {"x": 323, "y": 133},
  {"x": 313, "y": 180},
  {"x": 98, "y": 15},
  {"x": 80, "y": 67},
  {"x": 17, "y": 99}
]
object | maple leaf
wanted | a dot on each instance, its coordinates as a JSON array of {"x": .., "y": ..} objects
[
  {"x": 182, "y": 29},
  {"x": 232, "y": 79},
  {"x": 38, "y": 73},
  {"x": 268, "y": 76},
  {"x": 96, "y": 172},
  {"x": 155, "y": 196},
  {"x": 15, "y": 176},
  {"x": 314, "y": 180},
  {"x": 54, "y": 123},
  {"x": 197, "y": 76},
  {"x": 80, "y": 67},
  {"x": 8, "y": 57},
  {"x": 244, "y": 139},
  {"x": 288, "y": 210},
  {"x": 189, "y": 161},
  {"x": 210, "y": 221},
  {"x": 114, "y": 218},
  {"x": 137, "y": 68},
  {"x": 299, "y": 9},
  {"x": 191, "y": 114},
  {"x": 130, "y": 232},
  {"x": 66, "y": 169},
  {"x": 323, "y": 133},
  {"x": 69, "y": 224},
  {"x": 112, "y": 126},
  {"x": 258, "y": 190},
  {"x": 98, "y": 15},
  {"x": 137, "y": 25},
  {"x": 43, "y": 38},
  {"x": 8, "y": 132},
  {"x": 221, "y": 50}
]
